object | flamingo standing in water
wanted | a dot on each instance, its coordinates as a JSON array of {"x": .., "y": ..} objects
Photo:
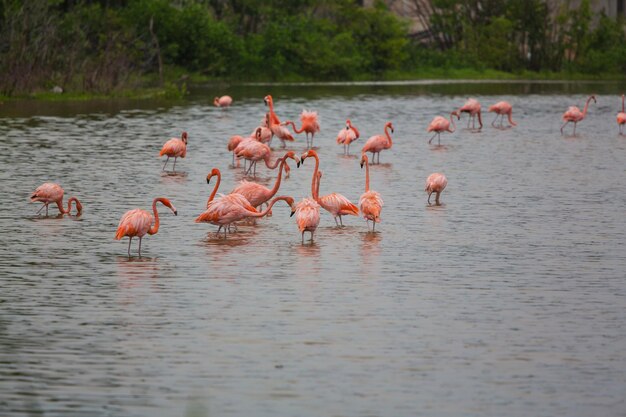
[
  {"x": 441, "y": 124},
  {"x": 308, "y": 124},
  {"x": 307, "y": 213},
  {"x": 265, "y": 135},
  {"x": 435, "y": 183},
  {"x": 174, "y": 148},
  {"x": 236, "y": 140},
  {"x": 377, "y": 143},
  {"x": 280, "y": 131},
  {"x": 224, "y": 101},
  {"x": 255, "y": 151},
  {"x": 370, "y": 203},
  {"x": 472, "y": 107},
  {"x": 138, "y": 222},
  {"x": 50, "y": 192},
  {"x": 573, "y": 114},
  {"x": 621, "y": 117},
  {"x": 501, "y": 109},
  {"x": 234, "y": 198},
  {"x": 347, "y": 136}
]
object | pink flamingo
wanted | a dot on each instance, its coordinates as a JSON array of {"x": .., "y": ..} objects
[
  {"x": 235, "y": 141},
  {"x": 441, "y": 124},
  {"x": 258, "y": 194},
  {"x": 573, "y": 114},
  {"x": 174, "y": 148},
  {"x": 501, "y": 109},
  {"x": 234, "y": 198},
  {"x": 265, "y": 135},
  {"x": 50, "y": 192},
  {"x": 435, "y": 183},
  {"x": 308, "y": 124},
  {"x": 224, "y": 101},
  {"x": 307, "y": 213},
  {"x": 335, "y": 203},
  {"x": 138, "y": 222},
  {"x": 280, "y": 131},
  {"x": 377, "y": 143},
  {"x": 472, "y": 107},
  {"x": 255, "y": 151},
  {"x": 370, "y": 203},
  {"x": 621, "y": 117},
  {"x": 226, "y": 210},
  {"x": 347, "y": 136}
]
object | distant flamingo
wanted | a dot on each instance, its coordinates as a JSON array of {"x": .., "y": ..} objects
[
  {"x": 347, "y": 136},
  {"x": 138, "y": 222},
  {"x": 621, "y": 117},
  {"x": 174, "y": 148},
  {"x": 370, "y": 203},
  {"x": 307, "y": 213},
  {"x": 309, "y": 125},
  {"x": 377, "y": 143},
  {"x": 224, "y": 101},
  {"x": 501, "y": 109},
  {"x": 255, "y": 151},
  {"x": 441, "y": 124},
  {"x": 50, "y": 192},
  {"x": 335, "y": 203},
  {"x": 472, "y": 107},
  {"x": 280, "y": 131},
  {"x": 573, "y": 114},
  {"x": 435, "y": 183},
  {"x": 225, "y": 211}
]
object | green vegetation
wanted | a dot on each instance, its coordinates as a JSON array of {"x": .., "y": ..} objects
[{"x": 119, "y": 47}]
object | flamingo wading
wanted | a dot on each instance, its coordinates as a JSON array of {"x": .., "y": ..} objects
[
  {"x": 573, "y": 114},
  {"x": 50, "y": 192}
]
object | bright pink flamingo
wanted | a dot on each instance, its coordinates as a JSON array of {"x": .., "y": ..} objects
[
  {"x": 307, "y": 213},
  {"x": 621, "y": 117},
  {"x": 435, "y": 183},
  {"x": 347, "y": 136},
  {"x": 224, "y": 101},
  {"x": 573, "y": 114},
  {"x": 441, "y": 124},
  {"x": 174, "y": 148},
  {"x": 280, "y": 131},
  {"x": 308, "y": 124},
  {"x": 335, "y": 203},
  {"x": 255, "y": 151},
  {"x": 50, "y": 192},
  {"x": 377, "y": 143},
  {"x": 501, "y": 109},
  {"x": 233, "y": 198},
  {"x": 472, "y": 107},
  {"x": 226, "y": 210},
  {"x": 370, "y": 203},
  {"x": 258, "y": 194},
  {"x": 138, "y": 222}
]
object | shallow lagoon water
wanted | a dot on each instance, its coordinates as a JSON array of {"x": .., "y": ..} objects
[{"x": 510, "y": 299}]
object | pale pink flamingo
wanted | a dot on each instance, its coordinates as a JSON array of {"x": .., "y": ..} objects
[
  {"x": 435, "y": 183},
  {"x": 225, "y": 211},
  {"x": 50, "y": 192},
  {"x": 265, "y": 135},
  {"x": 234, "y": 198},
  {"x": 370, "y": 203},
  {"x": 441, "y": 124},
  {"x": 224, "y": 101},
  {"x": 621, "y": 117},
  {"x": 280, "y": 131},
  {"x": 138, "y": 222},
  {"x": 377, "y": 143},
  {"x": 501, "y": 109},
  {"x": 255, "y": 151},
  {"x": 307, "y": 213},
  {"x": 335, "y": 203},
  {"x": 573, "y": 114},
  {"x": 308, "y": 124},
  {"x": 236, "y": 141},
  {"x": 174, "y": 148},
  {"x": 346, "y": 136},
  {"x": 472, "y": 107},
  {"x": 233, "y": 142}
]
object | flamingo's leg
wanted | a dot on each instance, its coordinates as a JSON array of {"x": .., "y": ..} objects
[
  {"x": 437, "y": 198},
  {"x": 494, "y": 121},
  {"x": 564, "y": 124},
  {"x": 438, "y": 139},
  {"x": 336, "y": 223},
  {"x": 340, "y": 220},
  {"x": 140, "y": 247},
  {"x": 130, "y": 239},
  {"x": 44, "y": 205},
  {"x": 168, "y": 158},
  {"x": 431, "y": 139},
  {"x": 575, "y": 128},
  {"x": 429, "y": 194},
  {"x": 303, "y": 237},
  {"x": 174, "y": 169}
]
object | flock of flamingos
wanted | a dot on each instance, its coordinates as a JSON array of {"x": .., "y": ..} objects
[{"x": 247, "y": 199}]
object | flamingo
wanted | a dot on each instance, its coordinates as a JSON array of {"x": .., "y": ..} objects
[
  {"x": 280, "y": 131},
  {"x": 441, "y": 124},
  {"x": 258, "y": 194},
  {"x": 472, "y": 107},
  {"x": 255, "y": 151},
  {"x": 138, "y": 222},
  {"x": 307, "y": 213},
  {"x": 502, "y": 108},
  {"x": 174, "y": 148},
  {"x": 233, "y": 142},
  {"x": 235, "y": 198},
  {"x": 573, "y": 114},
  {"x": 347, "y": 136},
  {"x": 335, "y": 203},
  {"x": 370, "y": 203},
  {"x": 226, "y": 210},
  {"x": 435, "y": 183},
  {"x": 265, "y": 135},
  {"x": 621, "y": 117},
  {"x": 377, "y": 143},
  {"x": 50, "y": 192},
  {"x": 308, "y": 124},
  {"x": 224, "y": 101}
]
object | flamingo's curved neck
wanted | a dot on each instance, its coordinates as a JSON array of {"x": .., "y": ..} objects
[
  {"x": 367, "y": 176},
  {"x": 273, "y": 118},
  {"x": 388, "y": 137},
  {"x": 217, "y": 185},
  {"x": 266, "y": 158},
  {"x": 314, "y": 190},
  {"x": 453, "y": 124},
  {"x": 155, "y": 226},
  {"x": 510, "y": 117},
  {"x": 586, "y": 107},
  {"x": 274, "y": 189},
  {"x": 267, "y": 210},
  {"x": 295, "y": 129},
  {"x": 79, "y": 207},
  {"x": 356, "y": 132}
]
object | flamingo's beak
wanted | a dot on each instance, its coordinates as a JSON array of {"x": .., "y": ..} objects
[
  {"x": 292, "y": 213},
  {"x": 175, "y": 212},
  {"x": 361, "y": 165}
]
